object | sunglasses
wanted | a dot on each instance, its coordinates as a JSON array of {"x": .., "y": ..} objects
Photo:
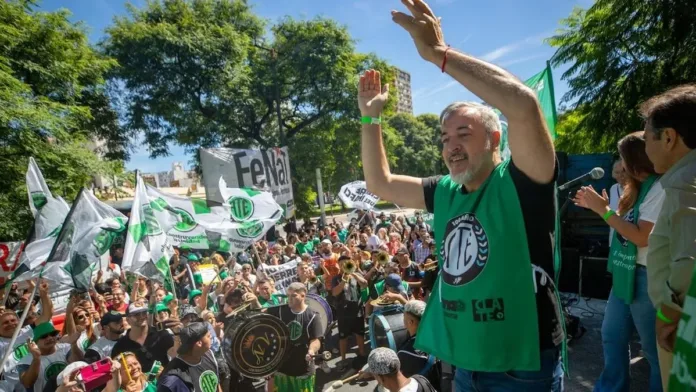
[{"x": 50, "y": 335}]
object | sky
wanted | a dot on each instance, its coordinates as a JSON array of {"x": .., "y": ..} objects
[{"x": 508, "y": 33}]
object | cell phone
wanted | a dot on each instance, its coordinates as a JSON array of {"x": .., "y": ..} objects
[
  {"x": 160, "y": 326},
  {"x": 95, "y": 375}
]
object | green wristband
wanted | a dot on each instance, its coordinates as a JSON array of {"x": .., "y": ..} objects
[
  {"x": 662, "y": 317},
  {"x": 608, "y": 215},
  {"x": 370, "y": 120}
]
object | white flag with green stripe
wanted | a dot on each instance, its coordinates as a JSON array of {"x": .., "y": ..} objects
[
  {"x": 85, "y": 238},
  {"x": 147, "y": 250},
  {"x": 245, "y": 216}
]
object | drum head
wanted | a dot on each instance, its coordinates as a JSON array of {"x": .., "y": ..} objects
[
  {"x": 319, "y": 305},
  {"x": 388, "y": 330},
  {"x": 255, "y": 344}
]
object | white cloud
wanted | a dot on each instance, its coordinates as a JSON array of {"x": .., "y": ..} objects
[
  {"x": 424, "y": 93},
  {"x": 497, "y": 53},
  {"x": 519, "y": 60}
]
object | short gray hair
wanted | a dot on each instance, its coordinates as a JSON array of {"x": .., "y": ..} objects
[
  {"x": 297, "y": 287},
  {"x": 415, "y": 308},
  {"x": 489, "y": 117}
]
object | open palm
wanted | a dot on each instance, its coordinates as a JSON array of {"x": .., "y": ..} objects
[{"x": 372, "y": 96}]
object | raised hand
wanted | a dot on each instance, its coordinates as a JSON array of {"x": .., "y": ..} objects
[
  {"x": 424, "y": 28},
  {"x": 372, "y": 96}
]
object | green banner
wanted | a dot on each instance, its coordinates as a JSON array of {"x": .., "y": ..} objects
[{"x": 542, "y": 84}]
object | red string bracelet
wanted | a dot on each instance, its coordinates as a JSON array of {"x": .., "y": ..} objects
[{"x": 444, "y": 60}]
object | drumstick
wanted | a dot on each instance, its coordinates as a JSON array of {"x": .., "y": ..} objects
[{"x": 340, "y": 383}]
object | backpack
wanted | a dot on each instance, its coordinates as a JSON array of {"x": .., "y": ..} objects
[{"x": 423, "y": 384}]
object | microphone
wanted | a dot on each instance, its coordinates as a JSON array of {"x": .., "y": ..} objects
[{"x": 594, "y": 174}]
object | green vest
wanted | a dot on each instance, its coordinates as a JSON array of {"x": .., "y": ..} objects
[
  {"x": 683, "y": 372},
  {"x": 623, "y": 253},
  {"x": 482, "y": 313}
]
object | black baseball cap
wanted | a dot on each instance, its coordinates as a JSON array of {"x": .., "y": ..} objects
[
  {"x": 190, "y": 335},
  {"x": 110, "y": 317}
]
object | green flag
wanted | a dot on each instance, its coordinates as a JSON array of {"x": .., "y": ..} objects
[
  {"x": 542, "y": 84},
  {"x": 683, "y": 371}
]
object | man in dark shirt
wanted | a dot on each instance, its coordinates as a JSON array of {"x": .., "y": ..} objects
[
  {"x": 489, "y": 200},
  {"x": 148, "y": 345},
  {"x": 346, "y": 291},
  {"x": 414, "y": 361},
  {"x": 297, "y": 373},
  {"x": 195, "y": 367}
]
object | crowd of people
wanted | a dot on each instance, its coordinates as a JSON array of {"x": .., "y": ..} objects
[
  {"x": 150, "y": 334},
  {"x": 486, "y": 267}
]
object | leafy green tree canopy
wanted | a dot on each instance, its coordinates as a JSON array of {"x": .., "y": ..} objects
[
  {"x": 52, "y": 103},
  {"x": 621, "y": 53}
]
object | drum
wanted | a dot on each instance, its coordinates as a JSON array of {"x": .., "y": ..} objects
[
  {"x": 255, "y": 344},
  {"x": 387, "y": 328},
  {"x": 319, "y": 305}
]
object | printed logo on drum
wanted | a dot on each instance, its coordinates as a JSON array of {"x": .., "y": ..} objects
[
  {"x": 464, "y": 251},
  {"x": 208, "y": 381},
  {"x": 490, "y": 309}
]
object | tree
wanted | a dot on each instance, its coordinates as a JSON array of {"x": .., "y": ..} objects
[
  {"x": 52, "y": 103},
  {"x": 623, "y": 52},
  {"x": 202, "y": 73},
  {"x": 419, "y": 155}
]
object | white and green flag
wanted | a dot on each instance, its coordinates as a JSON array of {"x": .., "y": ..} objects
[
  {"x": 49, "y": 214},
  {"x": 244, "y": 217},
  {"x": 147, "y": 250},
  {"x": 85, "y": 238}
]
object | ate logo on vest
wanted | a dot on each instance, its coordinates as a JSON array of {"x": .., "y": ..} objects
[
  {"x": 54, "y": 369},
  {"x": 208, "y": 381},
  {"x": 464, "y": 250}
]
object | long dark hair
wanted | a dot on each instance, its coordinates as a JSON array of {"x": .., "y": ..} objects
[{"x": 636, "y": 161}]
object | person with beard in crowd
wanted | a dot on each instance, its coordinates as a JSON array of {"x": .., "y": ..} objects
[
  {"x": 195, "y": 367},
  {"x": 502, "y": 200},
  {"x": 48, "y": 358},
  {"x": 153, "y": 348},
  {"x": 349, "y": 310},
  {"x": 113, "y": 326},
  {"x": 9, "y": 322},
  {"x": 305, "y": 245}
]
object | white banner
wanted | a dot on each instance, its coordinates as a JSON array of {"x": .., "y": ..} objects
[
  {"x": 283, "y": 275},
  {"x": 9, "y": 257},
  {"x": 267, "y": 170},
  {"x": 355, "y": 195}
]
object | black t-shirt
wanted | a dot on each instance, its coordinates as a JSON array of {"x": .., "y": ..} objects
[
  {"x": 412, "y": 361},
  {"x": 538, "y": 205},
  {"x": 410, "y": 273},
  {"x": 204, "y": 376},
  {"x": 304, "y": 327},
  {"x": 157, "y": 343}
]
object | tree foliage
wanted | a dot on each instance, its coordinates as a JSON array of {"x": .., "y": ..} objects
[
  {"x": 419, "y": 154},
  {"x": 622, "y": 52},
  {"x": 52, "y": 102},
  {"x": 203, "y": 73}
]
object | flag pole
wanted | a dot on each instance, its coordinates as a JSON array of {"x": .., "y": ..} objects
[{"x": 10, "y": 347}]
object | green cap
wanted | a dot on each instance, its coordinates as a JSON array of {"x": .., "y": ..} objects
[
  {"x": 44, "y": 329},
  {"x": 161, "y": 308},
  {"x": 193, "y": 294},
  {"x": 185, "y": 247},
  {"x": 192, "y": 257},
  {"x": 167, "y": 299}
]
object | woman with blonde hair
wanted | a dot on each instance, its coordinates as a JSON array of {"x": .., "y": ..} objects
[
  {"x": 132, "y": 377},
  {"x": 79, "y": 319},
  {"x": 629, "y": 306}
]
